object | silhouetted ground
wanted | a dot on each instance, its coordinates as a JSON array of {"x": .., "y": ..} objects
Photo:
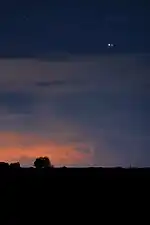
[
  {"x": 31, "y": 175},
  {"x": 39, "y": 196}
]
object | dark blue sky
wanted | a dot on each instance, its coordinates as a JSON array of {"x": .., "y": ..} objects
[
  {"x": 33, "y": 28},
  {"x": 64, "y": 94}
]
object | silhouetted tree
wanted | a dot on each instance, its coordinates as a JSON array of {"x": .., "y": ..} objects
[
  {"x": 64, "y": 167},
  {"x": 15, "y": 165},
  {"x": 42, "y": 162},
  {"x": 4, "y": 165}
]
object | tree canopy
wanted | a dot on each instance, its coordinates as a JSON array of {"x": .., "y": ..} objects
[{"x": 42, "y": 162}]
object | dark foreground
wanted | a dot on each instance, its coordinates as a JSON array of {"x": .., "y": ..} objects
[
  {"x": 32, "y": 196},
  {"x": 64, "y": 176}
]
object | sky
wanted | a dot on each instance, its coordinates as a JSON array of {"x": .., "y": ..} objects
[{"x": 64, "y": 94}]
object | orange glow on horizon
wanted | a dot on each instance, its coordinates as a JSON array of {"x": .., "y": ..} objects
[{"x": 15, "y": 146}]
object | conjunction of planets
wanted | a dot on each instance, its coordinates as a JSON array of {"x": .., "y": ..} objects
[{"x": 110, "y": 45}]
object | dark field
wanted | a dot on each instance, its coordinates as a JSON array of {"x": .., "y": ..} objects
[
  {"x": 25, "y": 176},
  {"x": 32, "y": 196}
]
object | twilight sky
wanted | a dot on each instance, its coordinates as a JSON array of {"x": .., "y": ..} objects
[{"x": 64, "y": 94}]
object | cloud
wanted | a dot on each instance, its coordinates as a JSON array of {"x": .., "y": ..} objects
[
  {"x": 81, "y": 74},
  {"x": 50, "y": 83},
  {"x": 98, "y": 101}
]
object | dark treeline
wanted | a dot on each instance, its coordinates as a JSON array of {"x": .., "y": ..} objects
[
  {"x": 44, "y": 164},
  {"x": 43, "y": 171},
  {"x": 39, "y": 194},
  {"x": 40, "y": 162}
]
